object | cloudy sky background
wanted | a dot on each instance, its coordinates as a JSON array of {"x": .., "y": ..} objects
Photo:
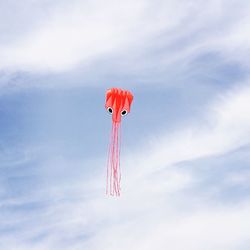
[{"x": 185, "y": 145}]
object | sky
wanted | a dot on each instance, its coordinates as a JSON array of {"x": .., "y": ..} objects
[{"x": 185, "y": 156}]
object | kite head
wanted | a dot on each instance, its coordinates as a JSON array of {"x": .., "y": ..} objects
[{"x": 118, "y": 103}]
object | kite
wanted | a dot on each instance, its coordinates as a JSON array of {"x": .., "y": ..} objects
[{"x": 118, "y": 104}]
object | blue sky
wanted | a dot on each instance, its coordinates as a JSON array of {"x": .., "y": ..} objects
[{"x": 185, "y": 145}]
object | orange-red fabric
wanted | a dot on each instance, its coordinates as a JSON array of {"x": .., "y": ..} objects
[{"x": 118, "y": 100}]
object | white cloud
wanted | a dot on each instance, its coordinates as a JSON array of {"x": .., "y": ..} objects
[
  {"x": 225, "y": 126},
  {"x": 74, "y": 33},
  {"x": 218, "y": 228},
  {"x": 82, "y": 32}
]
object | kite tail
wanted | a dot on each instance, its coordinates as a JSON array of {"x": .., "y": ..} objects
[{"x": 113, "y": 165}]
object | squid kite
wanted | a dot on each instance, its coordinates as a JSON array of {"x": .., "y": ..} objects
[{"x": 118, "y": 104}]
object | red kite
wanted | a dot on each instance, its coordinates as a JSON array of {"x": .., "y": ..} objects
[{"x": 118, "y": 104}]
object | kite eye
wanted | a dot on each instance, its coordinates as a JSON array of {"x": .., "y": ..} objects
[
  {"x": 110, "y": 110},
  {"x": 124, "y": 112}
]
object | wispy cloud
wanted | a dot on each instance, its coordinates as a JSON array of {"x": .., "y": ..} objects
[
  {"x": 82, "y": 33},
  {"x": 223, "y": 127},
  {"x": 72, "y": 34}
]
